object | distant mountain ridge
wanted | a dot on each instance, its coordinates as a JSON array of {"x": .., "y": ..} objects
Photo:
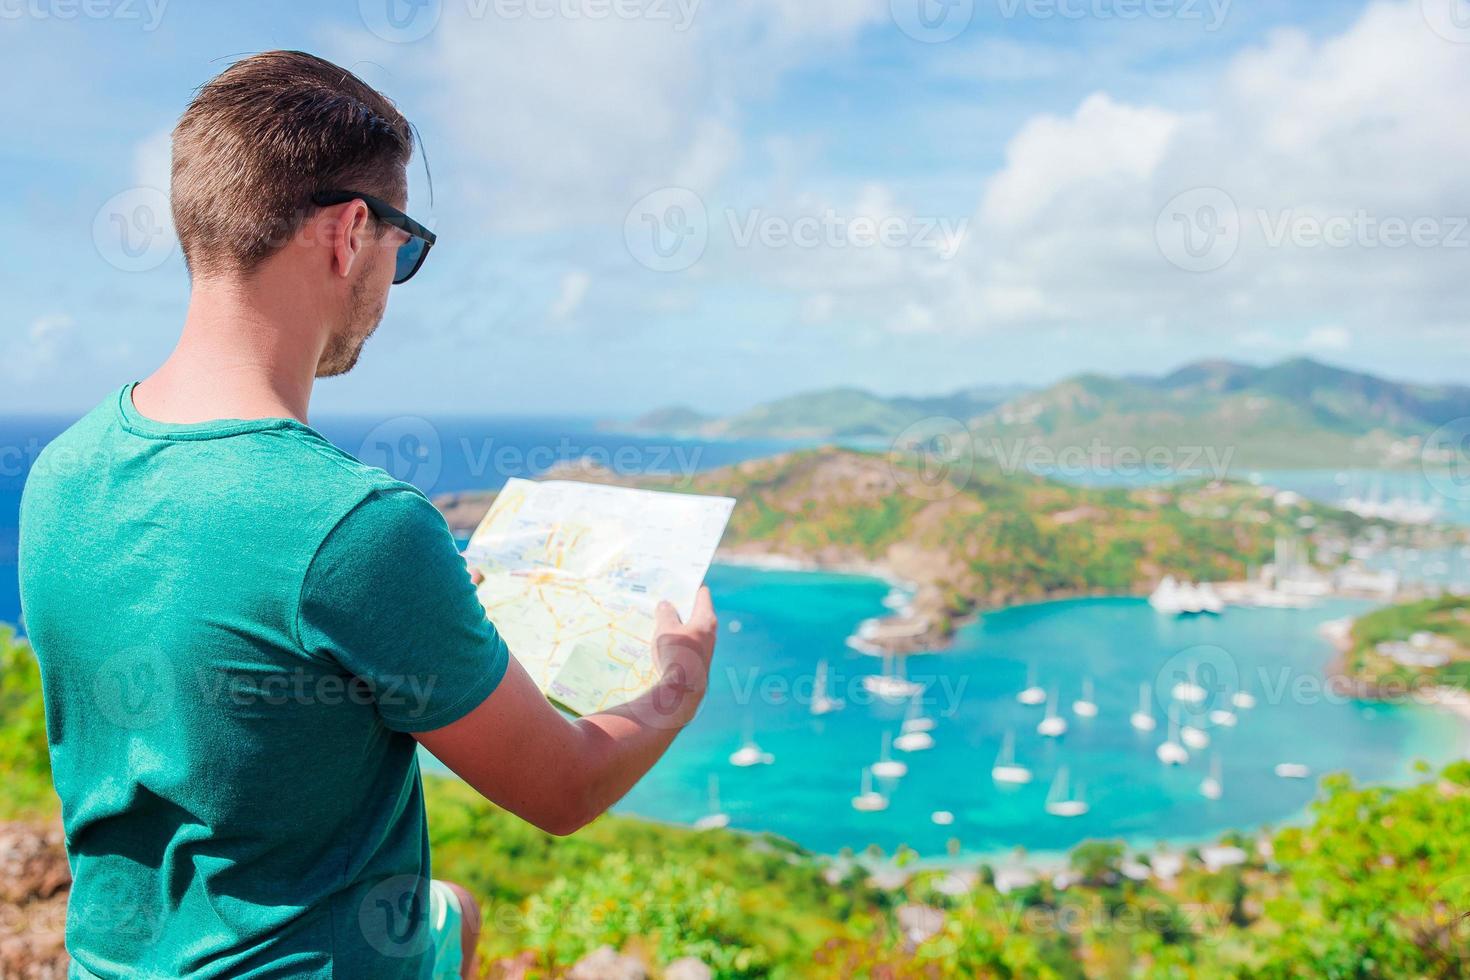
[
  {"x": 831, "y": 413},
  {"x": 1300, "y": 412}
]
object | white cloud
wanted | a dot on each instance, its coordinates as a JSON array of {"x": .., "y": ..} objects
[
  {"x": 153, "y": 161},
  {"x": 1317, "y": 340},
  {"x": 817, "y": 308},
  {"x": 564, "y": 121},
  {"x": 1328, "y": 339},
  {"x": 47, "y": 340},
  {"x": 1350, "y": 133},
  {"x": 573, "y": 290}
]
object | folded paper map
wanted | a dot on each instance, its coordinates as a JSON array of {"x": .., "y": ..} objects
[{"x": 573, "y": 572}]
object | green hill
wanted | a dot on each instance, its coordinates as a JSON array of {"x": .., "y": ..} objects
[
  {"x": 835, "y": 413},
  {"x": 1299, "y": 413},
  {"x": 981, "y": 538}
]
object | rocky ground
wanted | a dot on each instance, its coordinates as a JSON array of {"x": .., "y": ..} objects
[{"x": 34, "y": 882}]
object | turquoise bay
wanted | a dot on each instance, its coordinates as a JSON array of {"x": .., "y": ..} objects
[{"x": 788, "y": 621}]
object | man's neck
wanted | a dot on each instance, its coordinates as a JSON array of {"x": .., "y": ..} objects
[{"x": 246, "y": 352}]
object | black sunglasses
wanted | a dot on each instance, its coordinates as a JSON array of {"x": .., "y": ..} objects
[{"x": 411, "y": 254}]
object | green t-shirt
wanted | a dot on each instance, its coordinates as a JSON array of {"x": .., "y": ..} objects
[{"x": 238, "y": 626}]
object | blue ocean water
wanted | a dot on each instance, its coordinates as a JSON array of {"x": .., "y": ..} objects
[
  {"x": 788, "y": 621},
  {"x": 438, "y": 454}
]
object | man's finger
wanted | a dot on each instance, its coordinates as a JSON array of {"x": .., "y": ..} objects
[
  {"x": 703, "y": 616},
  {"x": 665, "y": 618}
]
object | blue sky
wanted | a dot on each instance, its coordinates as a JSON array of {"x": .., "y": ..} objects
[{"x": 643, "y": 202}]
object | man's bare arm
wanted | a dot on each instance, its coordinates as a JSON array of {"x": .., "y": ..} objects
[{"x": 520, "y": 753}]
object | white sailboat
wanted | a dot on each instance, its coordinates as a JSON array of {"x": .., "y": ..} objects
[
  {"x": 1209, "y": 600},
  {"x": 1212, "y": 788},
  {"x": 914, "y": 742},
  {"x": 1059, "y": 803},
  {"x": 1194, "y": 738},
  {"x": 915, "y": 733},
  {"x": 1143, "y": 718},
  {"x": 888, "y": 767},
  {"x": 1085, "y": 706},
  {"x": 1170, "y": 752},
  {"x": 1165, "y": 598},
  {"x": 1006, "y": 769},
  {"x": 869, "y": 800},
  {"x": 822, "y": 702},
  {"x": 915, "y": 720},
  {"x": 716, "y": 819},
  {"x": 1034, "y": 693},
  {"x": 1189, "y": 690},
  {"x": 1053, "y": 725},
  {"x": 750, "y": 754},
  {"x": 892, "y": 685},
  {"x": 1191, "y": 603}
]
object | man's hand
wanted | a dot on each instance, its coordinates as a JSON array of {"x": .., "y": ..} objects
[
  {"x": 518, "y": 752},
  {"x": 683, "y": 651}
]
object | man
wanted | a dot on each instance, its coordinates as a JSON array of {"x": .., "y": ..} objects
[{"x": 244, "y": 634}]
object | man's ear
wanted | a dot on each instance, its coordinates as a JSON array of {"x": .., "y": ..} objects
[{"x": 348, "y": 234}]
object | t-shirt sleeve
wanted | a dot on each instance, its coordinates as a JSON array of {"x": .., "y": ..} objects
[{"x": 388, "y": 598}]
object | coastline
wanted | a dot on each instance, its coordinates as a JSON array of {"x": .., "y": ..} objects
[{"x": 1450, "y": 701}]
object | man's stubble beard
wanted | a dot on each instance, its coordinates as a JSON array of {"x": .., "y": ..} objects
[{"x": 345, "y": 346}]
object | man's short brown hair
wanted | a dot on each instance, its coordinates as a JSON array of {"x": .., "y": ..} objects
[{"x": 260, "y": 139}]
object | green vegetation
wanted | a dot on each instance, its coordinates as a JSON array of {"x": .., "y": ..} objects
[
  {"x": 1378, "y": 885},
  {"x": 24, "y": 765},
  {"x": 836, "y": 413},
  {"x": 1442, "y": 628},
  {"x": 984, "y": 538},
  {"x": 980, "y": 537}
]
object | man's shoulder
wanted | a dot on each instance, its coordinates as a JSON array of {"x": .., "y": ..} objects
[
  {"x": 365, "y": 496},
  {"x": 82, "y": 449}
]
